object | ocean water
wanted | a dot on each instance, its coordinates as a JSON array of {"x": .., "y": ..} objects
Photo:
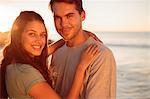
[{"x": 132, "y": 53}]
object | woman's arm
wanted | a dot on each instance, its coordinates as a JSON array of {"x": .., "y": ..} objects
[
  {"x": 54, "y": 46},
  {"x": 42, "y": 90},
  {"x": 94, "y": 36},
  {"x": 86, "y": 58}
]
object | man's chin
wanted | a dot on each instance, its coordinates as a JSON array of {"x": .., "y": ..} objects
[{"x": 66, "y": 39}]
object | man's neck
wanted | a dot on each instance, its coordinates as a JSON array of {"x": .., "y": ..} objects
[{"x": 81, "y": 37}]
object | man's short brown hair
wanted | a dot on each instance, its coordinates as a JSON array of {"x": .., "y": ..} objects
[{"x": 78, "y": 4}]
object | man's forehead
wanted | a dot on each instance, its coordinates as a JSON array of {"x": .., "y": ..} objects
[{"x": 63, "y": 8}]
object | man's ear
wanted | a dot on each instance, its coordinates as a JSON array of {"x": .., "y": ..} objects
[{"x": 83, "y": 15}]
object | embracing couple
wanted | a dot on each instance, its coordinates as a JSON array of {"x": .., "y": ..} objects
[{"x": 81, "y": 65}]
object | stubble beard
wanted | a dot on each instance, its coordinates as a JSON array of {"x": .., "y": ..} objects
[{"x": 75, "y": 34}]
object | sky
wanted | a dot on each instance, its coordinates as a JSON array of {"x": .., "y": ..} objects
[{"x": 101, "y": 15}]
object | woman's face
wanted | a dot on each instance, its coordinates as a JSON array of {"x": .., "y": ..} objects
[{"x": 34, "y": 38}]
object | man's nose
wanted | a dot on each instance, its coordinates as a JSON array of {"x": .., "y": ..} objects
[{"x": 64, "y": 22}]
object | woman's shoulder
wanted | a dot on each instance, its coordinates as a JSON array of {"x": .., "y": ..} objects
[
  {"x": 21, "y": 67},
  {"x": 24, "y": 71}
]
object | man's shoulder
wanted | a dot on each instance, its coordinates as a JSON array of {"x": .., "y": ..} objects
[
  {"x": 104, "y": 49},
  {"x": 105, "y": 56},
  {"x": 102, "y": 46}
]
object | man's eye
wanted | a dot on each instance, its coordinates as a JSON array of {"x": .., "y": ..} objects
[
  {"x": 43, "y": 35},
  {"x": 70, "y": 16},
  {"x": 56, "y": 18},
  {"x": 32, "y": 34}
]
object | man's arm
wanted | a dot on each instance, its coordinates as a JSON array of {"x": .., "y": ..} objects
[{"x": 102, "y": 78}]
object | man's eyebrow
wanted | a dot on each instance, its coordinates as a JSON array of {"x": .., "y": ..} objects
[
  {"x": 31, "y": 30},
  {"x": 55, "y": 15},
  {"x": 69, "y": 14}
]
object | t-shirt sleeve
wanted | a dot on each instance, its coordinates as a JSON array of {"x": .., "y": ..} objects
[
  {"x": 102, "y": 77},
  {"x": 30, "y": 76}
]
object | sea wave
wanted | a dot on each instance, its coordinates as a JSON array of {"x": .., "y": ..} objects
[{"x": 129, "y": 45}]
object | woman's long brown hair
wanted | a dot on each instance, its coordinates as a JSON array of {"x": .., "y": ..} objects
[{"x": 14, "y": 52}]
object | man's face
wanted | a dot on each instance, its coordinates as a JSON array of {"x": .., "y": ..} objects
[{"x": 68, "y": 21}]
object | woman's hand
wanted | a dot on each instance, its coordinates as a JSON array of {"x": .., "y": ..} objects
[
  {"x": 86, "y": 58},
  {"x": 88, "y": 55},
  {"x": 94, "y": 36},
  {"x": 54, "y": 46}
]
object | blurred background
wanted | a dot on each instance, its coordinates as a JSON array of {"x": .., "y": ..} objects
[{"x": 123, "y": 25}]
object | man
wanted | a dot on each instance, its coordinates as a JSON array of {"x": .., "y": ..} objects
[{"x": 100, "y": 77}]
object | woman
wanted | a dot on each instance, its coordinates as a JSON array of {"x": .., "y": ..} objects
[{"x": 24, "y": 70}]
